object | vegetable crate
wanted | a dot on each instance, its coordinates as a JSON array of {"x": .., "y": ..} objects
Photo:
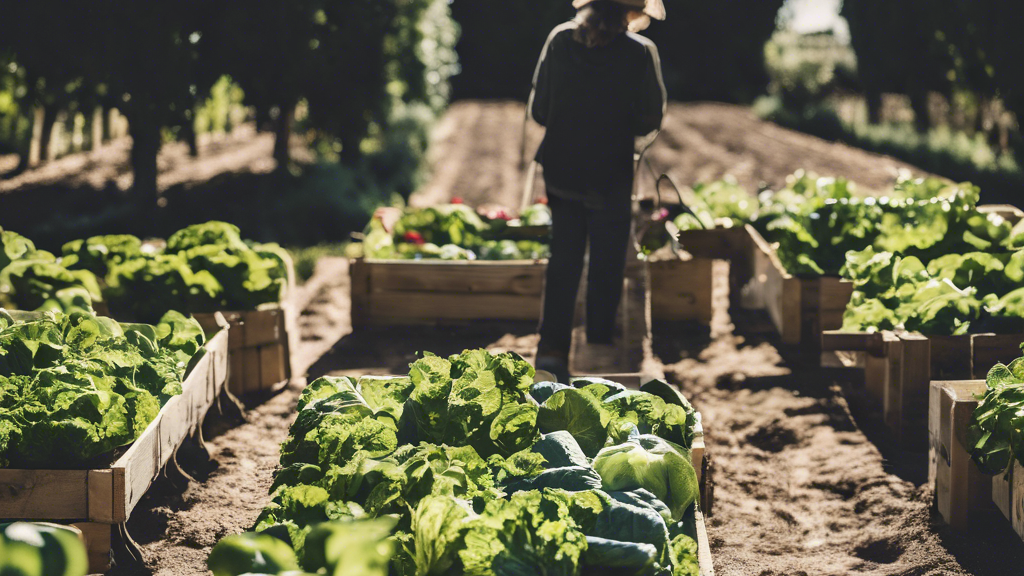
[
  {"x": 963, "y": 494},
  {"x": 260, "y": 347},
  {"x": 396, "y": 292},
  {"x": 899, "y": 367},
  {"x": 800, "y": 308},
  {"x": 98, "y": 501},
  {"x": 681, "y": 290},
  {"x": 260, "y": 342}
]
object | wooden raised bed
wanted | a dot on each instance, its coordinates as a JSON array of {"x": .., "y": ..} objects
[
  {"x": 965, "y": 497},
  {"x": 397, "y": 292},
  {"x": 1008, "y": 496},
  {"x": 681, "y": 290},
  {"x": 97, "y": 501},
  {"x": 963, "y": 494},
  {"x": 800, "y": 308},
  {"x": 261, "y": 342},
  {"x": 899, "y": 368}
]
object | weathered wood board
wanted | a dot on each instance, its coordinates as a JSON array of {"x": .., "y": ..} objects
[
  {"x": 396, "y": 292},
  {"x": 96, "y": 500},
  {"x": 801, "y": 308},
  {"x": 900, "y": 366},
  {"x": 963, "y": 495}
]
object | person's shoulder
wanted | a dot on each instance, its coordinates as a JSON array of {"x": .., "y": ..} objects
[
  {"x": 641, "y": 42},
  {"x": 563, "y": 31}
]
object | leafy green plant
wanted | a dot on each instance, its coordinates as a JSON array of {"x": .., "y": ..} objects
[
  {"x": 457, "y": 232},
  {"x": 477, "y": 469},
  {"x": 74, "y": 387},
  {"x": 995, "y": 433}
]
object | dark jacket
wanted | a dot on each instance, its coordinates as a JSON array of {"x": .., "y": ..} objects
[{"x": 594, "y": 103}]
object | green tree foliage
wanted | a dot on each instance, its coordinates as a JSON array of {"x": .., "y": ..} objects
[{"x": 362, "y": 66}]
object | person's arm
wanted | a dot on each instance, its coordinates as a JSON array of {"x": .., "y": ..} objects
[
  {"x": 540, "y": 96},
  {"x": 653, "y": 96}
]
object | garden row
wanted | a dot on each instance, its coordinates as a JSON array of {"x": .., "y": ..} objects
[
  {"x": 91, "y": 408},
  {"x": 468, "y": 466}
]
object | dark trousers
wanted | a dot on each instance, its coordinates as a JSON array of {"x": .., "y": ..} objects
[{"x": 573, "y": 226}]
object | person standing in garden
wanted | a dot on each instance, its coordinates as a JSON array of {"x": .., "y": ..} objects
[{"x": 599, "y": 93}]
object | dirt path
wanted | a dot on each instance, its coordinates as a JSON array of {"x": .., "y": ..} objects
[{"x": 476, "y": 152}]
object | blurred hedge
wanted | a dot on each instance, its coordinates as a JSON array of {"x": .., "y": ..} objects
[{"x": 709, "y": 50}]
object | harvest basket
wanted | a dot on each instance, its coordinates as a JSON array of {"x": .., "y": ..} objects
[{"x": 98, "y": 501}]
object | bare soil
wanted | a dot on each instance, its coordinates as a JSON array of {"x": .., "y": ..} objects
[{"x": 806, "y": 482}]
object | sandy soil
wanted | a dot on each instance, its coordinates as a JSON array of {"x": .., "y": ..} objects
[
  {"x": 806, "y": 482},
  {"x": 476, "y": 152}
]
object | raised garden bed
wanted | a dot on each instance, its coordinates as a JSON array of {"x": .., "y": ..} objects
[
  {"x": 899, "y": 367},
  {"x": 397, "y": 292},
  {"x": 101, "y": 500}
]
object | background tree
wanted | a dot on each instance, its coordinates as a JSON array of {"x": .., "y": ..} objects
[{"x": 898, "y": 51}]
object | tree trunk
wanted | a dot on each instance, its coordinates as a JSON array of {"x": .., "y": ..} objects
[
  {"x": 145, "y": 133},
  {"x": 283, "y": 135},
  {"x": 49, "y": 118},
  {"x": 107, "y": 128},
  {"x": 188, "y": 134},
  {"x": 263, "y": 120},
  {"x": 874, "y": 101},
  {"x": 919, "y": 103},
  {"x": 96, "y": 142}
]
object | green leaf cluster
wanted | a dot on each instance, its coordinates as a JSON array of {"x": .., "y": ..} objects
[
  {"x": 453, "y": 458},
  {"x": 32, "y": 279},
  {"x": 75, "y": 386},
  {"x": 204, "y": 268},
  {"x": 457, "y": 232},
  {"x": 953, "y": 294},
  {"x": 995, "y": 433}
]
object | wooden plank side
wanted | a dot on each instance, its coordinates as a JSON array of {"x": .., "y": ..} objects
[
  {"x": 142, "y": 462},
  {"x": 836, "y": 340},
  {"x": 1017, "y": 495},
  {"x": 682, "y": 290},
  {"x": 715, "y": 244},
  {"x": 992, "y": 349},
  {"x": 403, "y": 308},
  {"x": 704, "y": 561},
  {"x": 962, "y": 492},
  {"x": 890, "y": 378},
  {"x": 511, "y": 278},
  {"x": 97, "y": 538},
  {"x": 261, "y": 327},
  {"x": 44, "y": 494},
  {"x": 1002, "y": 494},
  {"x": 915, "y": 381},
  {"x": 835, "y": 295}
]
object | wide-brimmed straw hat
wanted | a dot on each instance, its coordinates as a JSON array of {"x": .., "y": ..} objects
[{"x": 652, "y": 8}]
